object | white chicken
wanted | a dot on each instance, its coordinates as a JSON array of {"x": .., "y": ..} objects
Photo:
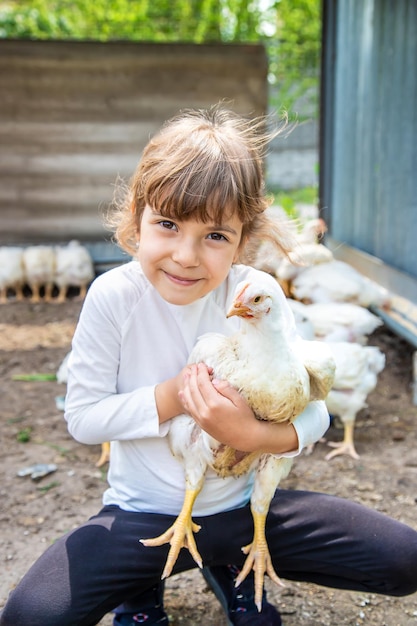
[
  {"x": 337, "y": 281},
  {"x": 337, "y": 321},
  {"x": 306, "y": 237},
  {"x": 278, "y": 379},
  {"x": 298, "y": 261},
  {"x": 357, "y": 369},
  {"x": 74, "y": 268},
  {"x": 39, "y": 267},
  {"x": 312, "y": 231},
  {"x": 11, "y": 272}
]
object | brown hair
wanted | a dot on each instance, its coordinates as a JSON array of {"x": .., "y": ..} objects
[{"x": 204, "y": 165}]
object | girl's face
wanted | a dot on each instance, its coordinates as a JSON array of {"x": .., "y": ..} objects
[{"x": 185, "y": 260}]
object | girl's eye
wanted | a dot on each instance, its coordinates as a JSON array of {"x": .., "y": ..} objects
[
  {"x": 167, "y": 224},
  {"x": 217, "y": 237}
]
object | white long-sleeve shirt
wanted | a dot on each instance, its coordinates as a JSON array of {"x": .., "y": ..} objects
[{"x": 128, "y": 340}]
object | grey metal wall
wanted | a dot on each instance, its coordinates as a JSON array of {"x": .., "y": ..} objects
[
  {"x": 368, "y": 152},
  {"x": 75, "y": 115}
]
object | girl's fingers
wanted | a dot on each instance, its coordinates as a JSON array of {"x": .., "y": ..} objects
[{"x": 199, "y": 393}]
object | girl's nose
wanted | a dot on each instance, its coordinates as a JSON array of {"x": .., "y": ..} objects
[{"x": 186, "y": 254}]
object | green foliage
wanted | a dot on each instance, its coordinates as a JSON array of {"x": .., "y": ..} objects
[
  {"x": 294, "y": 55},
  {"x": 48, "y": 487},
  {"x": 291, "y": 198},
  {"x": 103, "y": 20},
  {"x": 290, "y": 30},
  {"x": 24, "y": 435}
]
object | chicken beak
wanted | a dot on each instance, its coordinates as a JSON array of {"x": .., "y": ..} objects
[{"x": 239, "y": 309}]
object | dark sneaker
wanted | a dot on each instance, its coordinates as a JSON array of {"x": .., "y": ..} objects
[
  {"x": 238, "y": 602},
  {"x": 146, "y": 609}
]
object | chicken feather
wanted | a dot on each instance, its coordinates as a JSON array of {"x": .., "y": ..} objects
[{"x": 278, "y": 378}]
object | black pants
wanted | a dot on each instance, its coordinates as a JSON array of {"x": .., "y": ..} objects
[{"x": 311, "y": 537}]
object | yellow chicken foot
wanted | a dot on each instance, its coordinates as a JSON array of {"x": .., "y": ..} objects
[
  {"x": 48, "y": 292},
  {"x": 36, "y": 296},
  {"x": 62, "y": 295},
  {"x": 83, "y": 292},
  {"x": 258, "y": 559},
  {"x": 344, "y": 447},
  {"x": 105, "y": 454},
  {"x": 179, "y": 535}
]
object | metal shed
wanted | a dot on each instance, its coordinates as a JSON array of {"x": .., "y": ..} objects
[{"x": 368, "y": 145}]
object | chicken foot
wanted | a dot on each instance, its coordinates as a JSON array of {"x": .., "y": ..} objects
[
  {"x": 258, "y": 559},
  {"x": 180, "y": 534},
  {"x": 346, "y": 446}
]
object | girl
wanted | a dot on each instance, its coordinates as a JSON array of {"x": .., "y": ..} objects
[{"x": 195, "y": 203}]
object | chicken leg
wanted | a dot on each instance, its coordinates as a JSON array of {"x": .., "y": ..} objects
[
  {"x": 271, "y": 470},
  {"x": 180, "y": 534}
]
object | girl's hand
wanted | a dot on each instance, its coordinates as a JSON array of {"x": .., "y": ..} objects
[
  {"x": 167, "y": 396},
  {"x": 219, "y": 409}
]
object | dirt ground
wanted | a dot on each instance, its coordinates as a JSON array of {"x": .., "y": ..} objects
[{"x": 34, "y": 339}]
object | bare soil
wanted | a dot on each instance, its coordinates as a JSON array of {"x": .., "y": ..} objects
[{"x": 34, "y": 338}]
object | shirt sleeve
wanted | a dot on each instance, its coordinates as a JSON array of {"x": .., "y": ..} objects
[
  {"x": 94, "y": 409},
  {"x": 310, "y": 425}
]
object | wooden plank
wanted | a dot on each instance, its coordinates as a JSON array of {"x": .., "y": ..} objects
[{"x": 75, "y": 116}]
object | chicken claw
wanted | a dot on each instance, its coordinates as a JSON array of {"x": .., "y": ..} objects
[
  {"x": 258, "y": 559},
  {"x": 344, "y": 447},
  {"x": 179, "y": 535}
]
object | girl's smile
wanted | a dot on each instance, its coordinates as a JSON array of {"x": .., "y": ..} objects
[{"x": 185, "y": 260}]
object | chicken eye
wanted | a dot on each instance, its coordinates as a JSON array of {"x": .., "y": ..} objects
[{"x": 257, "y": 299}]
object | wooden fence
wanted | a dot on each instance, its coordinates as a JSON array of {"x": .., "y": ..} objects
[{"x": 74, "y": 116}]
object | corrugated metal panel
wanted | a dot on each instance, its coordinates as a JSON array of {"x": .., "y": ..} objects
[{"x": 369, "y": 134}]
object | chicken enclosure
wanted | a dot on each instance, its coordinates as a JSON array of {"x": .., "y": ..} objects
[{"x": 34, "y": 338}]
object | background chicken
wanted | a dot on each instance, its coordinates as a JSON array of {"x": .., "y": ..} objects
[
  {"x": 277, "y": 379},
  {"x": 337, "y": 321},
  {"x": 299, "y": 260},
  {"x": 73, "y": 268},
  {"x": 337, "y": 281},
  {"x": 357, "y": 369},
  {"x": 11, "y": 272},
  {"x": 39, "y": 267},
  {"x": 305, "y": 237}
]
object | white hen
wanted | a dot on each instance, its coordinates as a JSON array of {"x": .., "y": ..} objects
[
  {"x": 278, "y": 379},
  {"x": 337, "y": 281},
  {"x": 306, "y": 248},
  {"x": 74, "y": 268},
  {"x": 357, "y": 369},
  {"x": 11, "y": 272},
  {"x": 337, "y": 321},
  {"x": 298, "y": 260},
  {"x": 39, "y": 264}
]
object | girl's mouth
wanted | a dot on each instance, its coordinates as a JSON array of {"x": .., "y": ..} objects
[{"x": 180, "y": 280}]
